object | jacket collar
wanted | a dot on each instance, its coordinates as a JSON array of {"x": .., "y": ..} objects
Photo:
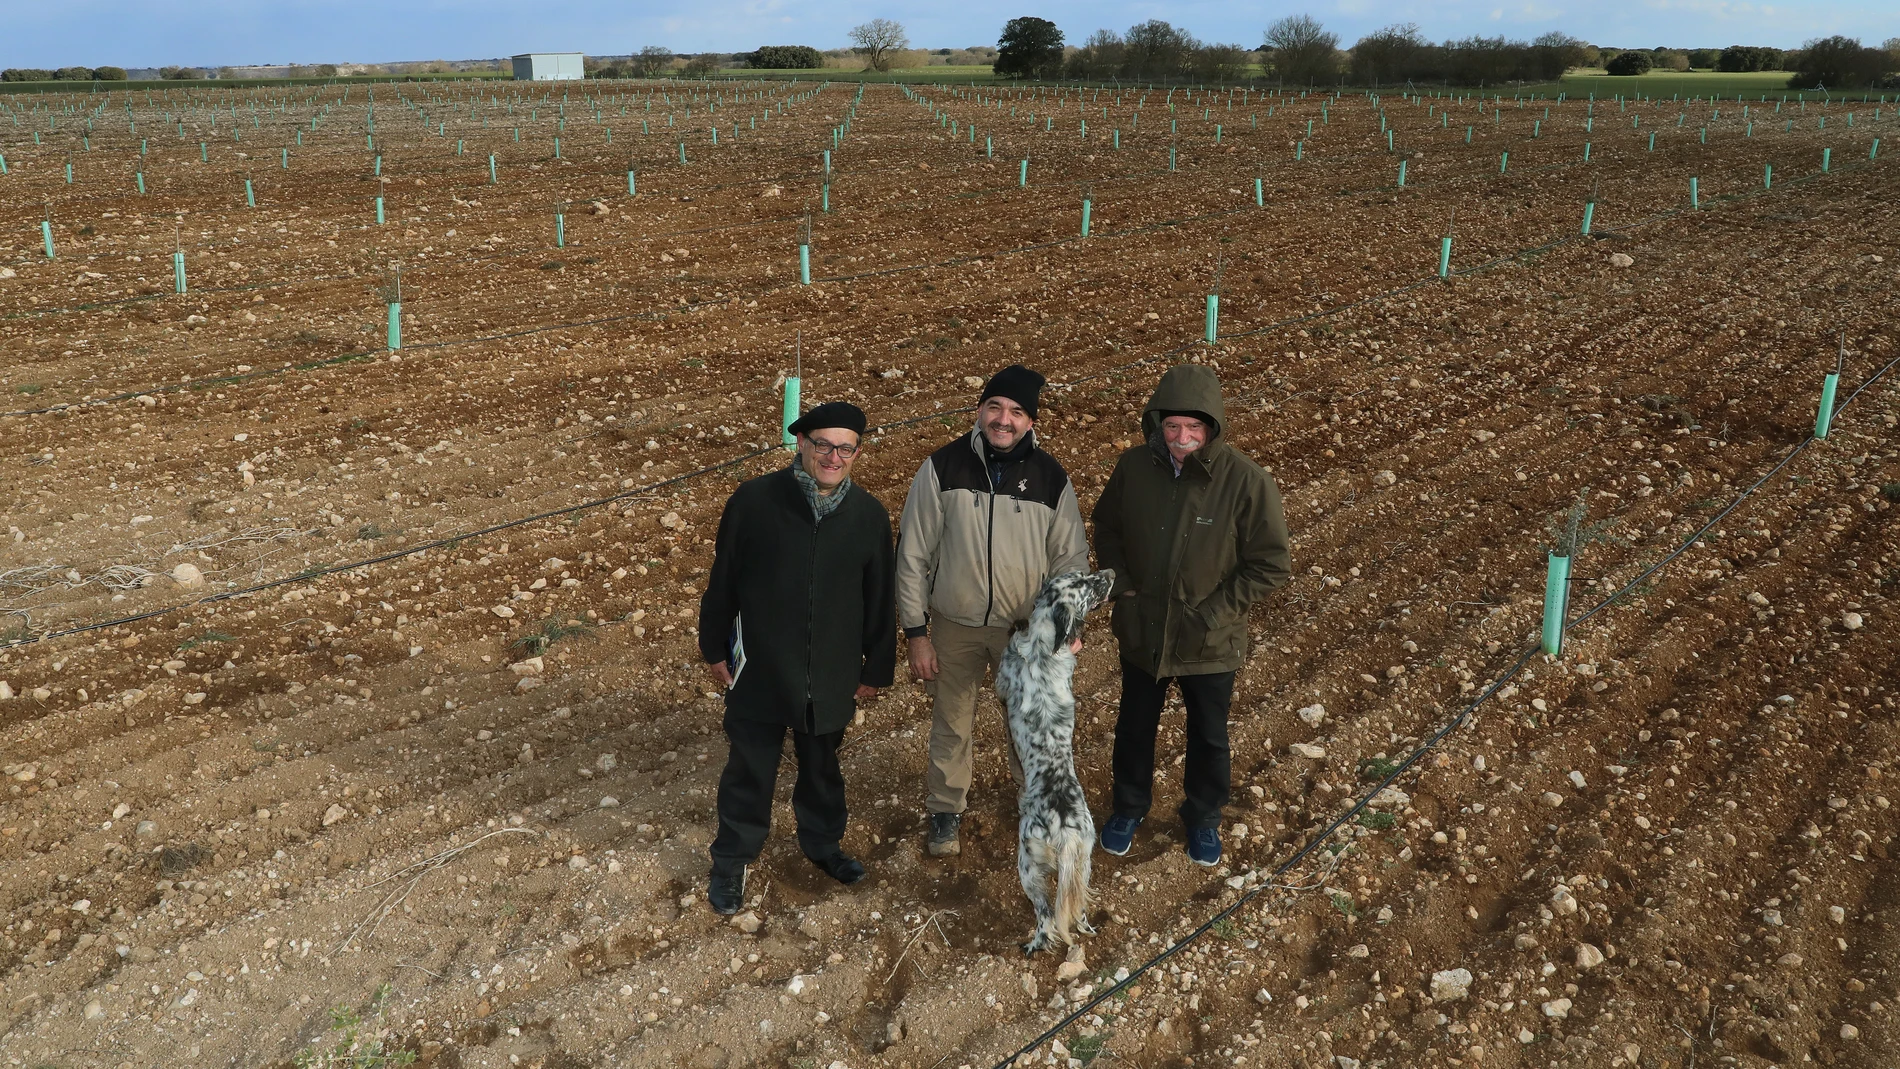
[{"x": 979, "y": 444}]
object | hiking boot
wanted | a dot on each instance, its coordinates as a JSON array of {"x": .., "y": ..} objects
[
  {"x": 1119, "y": 834},
  {"x": 1203, "y": 846},
  {"x": 726, "y": 893},
  {"x": 943, "y": 834},
  {"x": 846, "y": 870}
]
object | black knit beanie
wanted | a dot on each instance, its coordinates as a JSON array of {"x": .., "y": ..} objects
[{"x": 1017, "y": 383}]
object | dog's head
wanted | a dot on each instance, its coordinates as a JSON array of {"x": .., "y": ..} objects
[{"x": 1067, "y": 599}]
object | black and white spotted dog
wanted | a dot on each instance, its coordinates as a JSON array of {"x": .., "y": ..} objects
[{"x": 1056, "y": 834}]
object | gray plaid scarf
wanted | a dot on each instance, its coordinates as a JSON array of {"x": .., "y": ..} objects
[{"x": 822, "y": 505}]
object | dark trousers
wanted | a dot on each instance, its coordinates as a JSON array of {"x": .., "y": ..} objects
[
  {"x": 751, "y": 775},
  {"x": 1208, "y": 775}
]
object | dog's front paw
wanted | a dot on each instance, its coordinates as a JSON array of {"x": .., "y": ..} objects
[
  {"x": 1083, "y": 926},
  {"x": 1039, "y": 941}
]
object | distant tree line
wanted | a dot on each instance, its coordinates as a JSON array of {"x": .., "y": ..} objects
[
  {"x": 1298, "y": 50},
  {"x": 1844, "y": 63},
  {"x": 63, "y": 74}
]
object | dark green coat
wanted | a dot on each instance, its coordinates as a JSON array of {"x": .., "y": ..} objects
[
  {"x": 1198, "y": 549},
  {"x": 815, "y": 603}
]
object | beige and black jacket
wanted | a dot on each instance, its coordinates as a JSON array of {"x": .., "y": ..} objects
[{"x": 976, "y": 542}]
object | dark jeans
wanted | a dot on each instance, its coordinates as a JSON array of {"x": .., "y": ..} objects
[
  {"x": 1208, "y": 775},
  {"x": 751, "y": 775}
]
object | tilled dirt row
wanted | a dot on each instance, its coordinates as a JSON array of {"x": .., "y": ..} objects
[{"x": 346, "y": 728}]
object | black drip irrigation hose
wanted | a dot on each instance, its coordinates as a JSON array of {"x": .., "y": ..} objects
[
  {"x": 206, "y": 383},
  {"x": 1523, "y": 659},
  {"x": 438, "y": 543}
]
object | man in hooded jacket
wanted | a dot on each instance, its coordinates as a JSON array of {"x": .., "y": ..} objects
[{"x": 1195, "y": 533}]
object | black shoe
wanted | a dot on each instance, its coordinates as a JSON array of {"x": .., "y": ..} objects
[
  {"x": 726, "y": 893},
  {"x": 846, "y": 870},
  {"x": 943, "y": 835}
]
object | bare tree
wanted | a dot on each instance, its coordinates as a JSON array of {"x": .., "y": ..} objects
[
  {"x": 1302, "y": 50},
  {"x": 1388, "y": 55},
  {"x": 651, "y": 60},
  {"x": 876, "y": 40}
]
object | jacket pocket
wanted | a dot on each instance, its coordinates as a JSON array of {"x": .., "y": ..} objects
[
  {"x": 1190, "y": 635},
  {"x": 1217, "y": 639}
]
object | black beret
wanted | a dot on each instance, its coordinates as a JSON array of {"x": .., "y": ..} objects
[{"x": 841, "y": 414}]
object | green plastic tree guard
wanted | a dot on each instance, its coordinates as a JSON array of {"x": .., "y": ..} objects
[
  {"x": 1402, "y": 164},
  {"x": 1213, "y": 317},
  {"x": 1556, "y": 603},
  {"x": 1504, "y": 162},
  {"x": 631, "y": 190},
  {"x": 1589, "y": 215},
  {"x": 1022, "y": 175},
  {"x": 1086, "y": 205},
  {"x": 1827, "y": 157},
  {"x": 804, "y": 265},
  {"x": 379, "y": 211},
  {"x": 1259, "y": 194},
  {"x": 395, "y": 325},
  {"x": 46, "y": 235},
  {"x": 560, "y": 231},
  {"x": 141, "y": 182},
  {"x": 1444, "y": 257},
  {"x": 791, "y": 410},
  {"x": 1768, "y": 176},
  {"x": 1695, "y": 193},
  {"x": 492, "y": 179},
  {"x": 250, "y": 197},
  {"x": 178, "y": 272},
  {"x": 1824, "y": 418}
]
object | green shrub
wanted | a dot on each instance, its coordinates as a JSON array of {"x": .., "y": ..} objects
[
  {"x": 1631, "y": 62},
  {"x": 109, "y": 74},
  {"x": 25, "y": 74},
  {"x": 784, "y": 57}
]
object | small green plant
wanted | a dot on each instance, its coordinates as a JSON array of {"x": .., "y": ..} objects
[
  {"x": 536, "y": 642},
  {"x": 1377, "y": 768},
  {"x": 204, "y": 640},
  {"x": 553, "y": 265},
  {"x": 1344, "y": 904},
  {"x": 1891, "y": 492},
  {"x": 1377, "y": 821},
  {"x": 1086, "y": 1049},
  {"x": 369, "y": 532},
  {"x": 355, "y": 1047},
  {"x": 1225, "y": 928},
  {"x": 31, "y": 388}
]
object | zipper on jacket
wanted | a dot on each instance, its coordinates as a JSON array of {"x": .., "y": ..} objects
[
  {"x": 989, "y": 557},
  {"x": 811, "y": 590}
]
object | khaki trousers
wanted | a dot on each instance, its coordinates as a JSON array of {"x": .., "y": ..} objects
[{"x": 964, "y": 655}]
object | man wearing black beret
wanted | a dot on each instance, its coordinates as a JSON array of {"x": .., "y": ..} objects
[
  {"x": 990, "y": 516},
  {"x": 798, "y": 624}
]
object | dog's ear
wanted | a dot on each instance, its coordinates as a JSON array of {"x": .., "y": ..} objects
[{"x": 1064, "y": 622}]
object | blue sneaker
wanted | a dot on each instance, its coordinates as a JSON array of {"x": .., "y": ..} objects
[
  {"x": 1119, "y": 834},
  {"x": 1203, "y": 846}
]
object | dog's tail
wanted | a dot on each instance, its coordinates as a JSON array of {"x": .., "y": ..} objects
[{"x": 1073, "y": 854}]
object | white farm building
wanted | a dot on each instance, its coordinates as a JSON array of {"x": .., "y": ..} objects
[{"x": 548, "y": 67}]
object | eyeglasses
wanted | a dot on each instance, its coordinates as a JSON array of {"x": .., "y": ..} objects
[{"x": 825, "y": 449}]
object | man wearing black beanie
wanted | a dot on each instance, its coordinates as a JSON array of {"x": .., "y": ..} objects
[{"x": 989, "y": 518}]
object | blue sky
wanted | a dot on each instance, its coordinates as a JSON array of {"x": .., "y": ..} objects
[{"x": 216, "y": 32}]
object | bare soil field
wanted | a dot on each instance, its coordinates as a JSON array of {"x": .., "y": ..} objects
[{"x": 350, "y": 710}]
